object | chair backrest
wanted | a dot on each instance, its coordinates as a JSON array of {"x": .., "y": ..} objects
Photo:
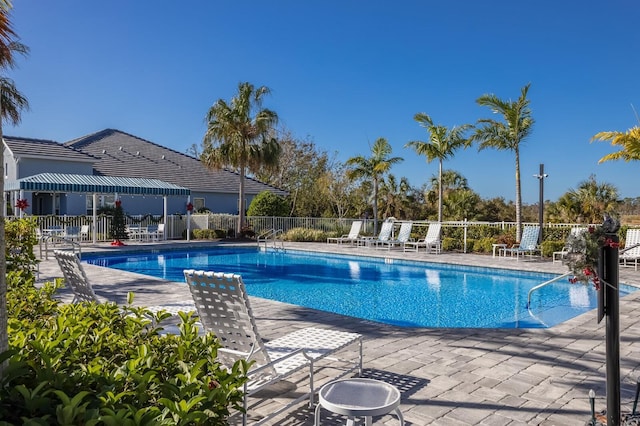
[
  {"x": 433, "y": 233},
  {"x": 84, "y": 230},
  {"x": 356, "y": 226},
  {"x": 160, "y": 227},
  {"x": 72, "y": 231},
  {"x": 632, "y": 238},
  {"x": 223, "y": 308},
  {"x": 75, "y": 277},
  {"x": 385, "y": 231},
  {"x": 529, "y": 240},
  {"x": 405, "y": 232}
]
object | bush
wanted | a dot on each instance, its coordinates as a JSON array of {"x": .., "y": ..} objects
[
  {"x": 267, "y": 203},
  {"x": 450, "y": 244},
  {"x": 305, "y": 235},
  {"x": 484, "y": 245},
  {"x": 548, "y": 247},
  {"x": 209, "y": 234},
  {"x": 91, "y": 363}
]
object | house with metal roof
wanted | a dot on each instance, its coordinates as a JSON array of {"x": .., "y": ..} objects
[{"x": 60, "y": 178}]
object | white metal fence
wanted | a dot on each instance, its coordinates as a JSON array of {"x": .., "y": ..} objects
[{"x": 176, "y": 225}]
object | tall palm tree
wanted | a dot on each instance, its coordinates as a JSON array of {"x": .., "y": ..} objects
[
  {"x": 443, "y": 143},
  {"x": 373, "y": 168},
  {"x": 12, "y": 102},
  {"x": 629, "y": 141},
  {"x": 507, "y": 134},
  {"x": 238, "y": 136}
]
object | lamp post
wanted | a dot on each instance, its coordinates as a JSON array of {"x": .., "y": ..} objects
[{"x": 540, "y": 176}]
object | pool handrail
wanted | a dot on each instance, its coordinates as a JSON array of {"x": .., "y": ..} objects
[{"x": 539, "y": 286}]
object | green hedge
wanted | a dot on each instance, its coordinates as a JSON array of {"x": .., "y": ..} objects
[{"x": 90, "y": 364}]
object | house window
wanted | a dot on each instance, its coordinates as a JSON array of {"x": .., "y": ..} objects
[{"x": 198, "y": 204}]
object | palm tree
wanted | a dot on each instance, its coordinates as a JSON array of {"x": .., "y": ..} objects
[
  {"x": 443, "y": 143},
  {"x": 594, "y": 199},
  {"x": 507, "y": 135},
  {"x": 238, "y": 137},
  {"x": 629, "y": 141},
  {"x": 396, "y": 196},
  {"x": 12, "y": 102},
  {"x": 373, "y": 168}
]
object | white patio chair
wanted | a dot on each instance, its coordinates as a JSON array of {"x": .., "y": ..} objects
[
  {"x": 352, "y": 237},
  {"x": 223, "y": 306},
  {"x": 528, "y": 243},
  {"x": 431, "y": 242},
  {"x": 156, "y": 233},
  {"x": 383, "y": 235},
  {"x": 76, "y": 278},
  {"x": 631, "y": 255},
  {"x": 404, "y": 235},
  {"x": 558, "y": 256}
]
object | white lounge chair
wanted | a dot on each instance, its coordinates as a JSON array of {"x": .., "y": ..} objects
[
  {"x": 224, "y": 309},
  {"x": 431, "y": 242},
  {"x": 76, "y": 278},
  {"x": 404, "y": 235},
  {"x": 383, "y": 235},
  {"x": 631, "y": 255},
  {"x": 352, "y": 237},
  {"x": 558, "y": 256},
  {"x": 528, "y": 243}
]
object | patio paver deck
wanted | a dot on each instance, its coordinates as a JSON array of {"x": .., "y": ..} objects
[{"x": 503, "y": 377}]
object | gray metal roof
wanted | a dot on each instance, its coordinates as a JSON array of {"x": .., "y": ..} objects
[
  {"x": 60, "y": 182},
  {"x": 41, "y": 148},
  {"x": 122, "y": 154}
]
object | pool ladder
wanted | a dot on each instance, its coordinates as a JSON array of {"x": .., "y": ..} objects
[{"x": 271, "y": 237}]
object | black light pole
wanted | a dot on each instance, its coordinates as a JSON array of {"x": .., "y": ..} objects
[{"x": 541, "y": 177}]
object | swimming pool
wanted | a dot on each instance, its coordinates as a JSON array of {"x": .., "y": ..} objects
[{"x": 402, "y": 293}]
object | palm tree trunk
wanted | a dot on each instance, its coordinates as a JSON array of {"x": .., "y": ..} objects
[
  {"x": 518, "y": 197},
  {"x": 241, "y": 206},
  {"x": 440, "y": 191},
  {"x": 375, "y": 206}
]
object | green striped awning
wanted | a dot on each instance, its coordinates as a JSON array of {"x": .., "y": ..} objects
[{"x": 61, "y": 182}]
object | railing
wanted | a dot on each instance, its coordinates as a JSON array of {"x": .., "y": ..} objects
[
  {"x": 271, "y": 235},
  {"x": 58, "y": 241},
  {"x": 177, "y": 224},
  {"x": 544, "y": 284}
]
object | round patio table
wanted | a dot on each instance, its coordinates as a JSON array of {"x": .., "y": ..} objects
[{"x": 358, "y": 397}]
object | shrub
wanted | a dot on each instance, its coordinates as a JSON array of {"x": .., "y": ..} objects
[
  {"x": 91, "y": 363},
  {"x": 484, "y": 245},
  {"x": 267, "y": 203},
  {"x": 548, "y": 247},
  {"x": 305, "y": 235},
  {"x": 450, "y": 244}
]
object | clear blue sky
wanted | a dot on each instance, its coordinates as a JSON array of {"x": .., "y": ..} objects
[{"x": 344, "y": 73}]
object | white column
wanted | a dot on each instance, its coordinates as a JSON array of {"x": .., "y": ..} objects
[
  {"x": 188, "y": 219},
  {"x": 166, "y": 225},
  {"x": 95, "y": 218},
  {"x": 21, "y": 197}
]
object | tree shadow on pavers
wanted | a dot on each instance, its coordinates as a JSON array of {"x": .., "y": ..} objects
[{"x": 406, "y": 384}]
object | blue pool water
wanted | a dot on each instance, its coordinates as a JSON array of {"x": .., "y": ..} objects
[{"x": 403, "y": 293}]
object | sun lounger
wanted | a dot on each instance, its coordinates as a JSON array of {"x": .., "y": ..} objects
[
  {"x": 558, "y": 256},
  {"x": 384, "y": 235},
  {"x": 431, "y": 242},
  {"x": 630, "y": 255},
  {"x": 528, "y": 243},
  {"x": 224, "y": 309},
  {"x": 351, "y": 238},
  {"x": 404, "y": 235}
]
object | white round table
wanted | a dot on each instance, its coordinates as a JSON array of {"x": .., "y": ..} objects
[{"x": 359, "y": 397}]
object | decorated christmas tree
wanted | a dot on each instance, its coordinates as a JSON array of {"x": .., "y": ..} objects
[{"x": 118, "y": 228}]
